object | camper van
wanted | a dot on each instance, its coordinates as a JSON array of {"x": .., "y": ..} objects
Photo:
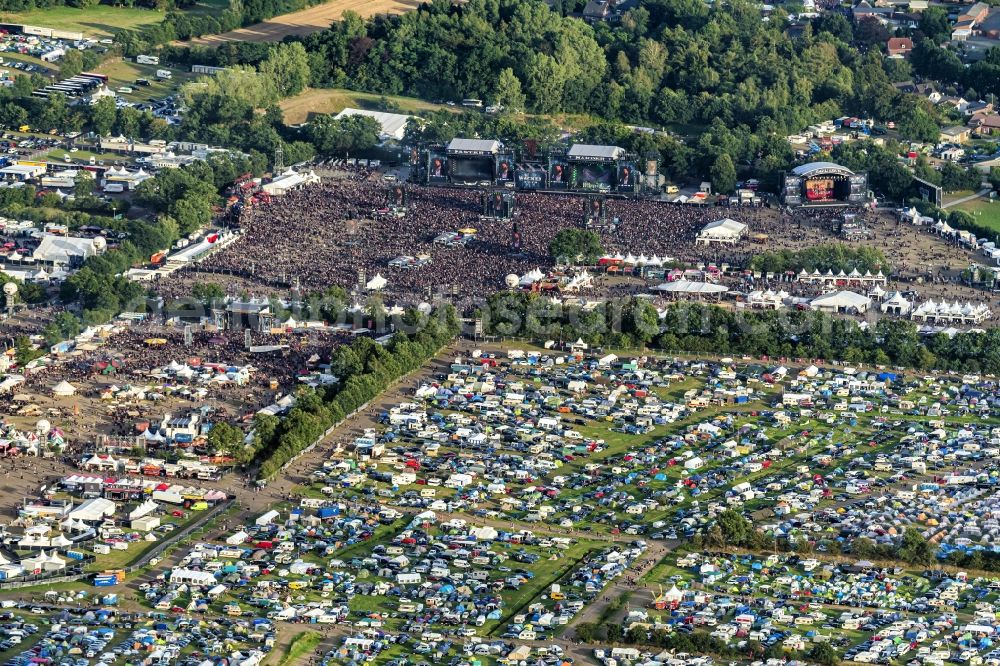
[{"x": 164, "y": 74}]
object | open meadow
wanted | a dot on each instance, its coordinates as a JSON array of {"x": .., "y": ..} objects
[
  {"x": 96, "y": 21},
  {"x": 315, "y": 101},
  {"x": 986, "y": 211}
]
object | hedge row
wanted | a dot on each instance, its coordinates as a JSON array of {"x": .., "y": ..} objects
[{"x": 365, "y": 370}]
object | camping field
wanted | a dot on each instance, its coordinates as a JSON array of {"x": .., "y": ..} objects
[
  {"x": 986, "y": 211},
  {"x": 307, "y": 21},
  {"x": 300, "y": 108},
  {"x": 96, "y": 21}
]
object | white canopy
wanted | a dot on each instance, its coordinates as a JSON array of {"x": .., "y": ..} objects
[
  {"x": 376, "y": 283},
  {"x": 690, "y": 287},
  {"x": 64, "y": 388}
]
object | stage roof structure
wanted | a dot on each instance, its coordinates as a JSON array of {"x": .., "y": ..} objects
[
  {"x": 585, "y": 151},
  {"x": 815, "y": 168},
  {"x": 474, "y": 146},
  {"x": 393, "y": 125}
]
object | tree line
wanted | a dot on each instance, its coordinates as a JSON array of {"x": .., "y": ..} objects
[
  {"x": 633, "y": 323},
  {"x": 224, "y": 109},
  {"x": 677, "y": 63},
  {"x": 364, "y": 370},
  {"x": 834, "y": 257},
  {"x": 19, "y": 107}
]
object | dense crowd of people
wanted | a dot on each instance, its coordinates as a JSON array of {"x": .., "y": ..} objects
[
  {"x": 144, "y": 348},
  {"x": 332, "y": 233}
]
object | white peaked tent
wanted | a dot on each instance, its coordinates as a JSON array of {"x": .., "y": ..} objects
[
  {"x": 531, "y": 277},
  {"x": 143, "y": 509},
  {"x": 64, "y": 388},
  {"x": 60, "y": 541},
  {"x": 724, "y": 231},
  {"x": 376, "y": 283},
  {"x": 841, "y": 301},
  {"x": 54, "y": 562},
  {"x": 150, "y": 437},
  {"x": 74, "y": 525},
  {"x": 44, "y": 562},
  {"x": 105, "y": 463}
]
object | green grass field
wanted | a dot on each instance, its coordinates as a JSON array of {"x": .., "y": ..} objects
[
  {"x": 312, "y": 101},
  {"x": 96, "y": 21},
  {"x": 124, "y": 73},
  {"x": 986, "y": 211}
]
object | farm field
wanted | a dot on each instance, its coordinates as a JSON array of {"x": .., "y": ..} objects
[
  {"x": 313, "y": 101},
  {"x": 986, "y": 211},
  {"x": 307, "y": 21},
  {"x": 96, "y": 21}
]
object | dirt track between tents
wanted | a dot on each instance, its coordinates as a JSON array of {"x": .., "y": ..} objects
[{"x": 306, "y": 21}]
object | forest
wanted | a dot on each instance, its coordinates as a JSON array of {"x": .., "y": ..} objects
[{"x": 671, "y": 62}]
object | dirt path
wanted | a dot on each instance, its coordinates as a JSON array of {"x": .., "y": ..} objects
[
  {"x": 280, "y": 489},
  {"x": 971, "y": 197},
  {"x": 305, "y": 22},
  {"x": 628, "y": 582}
]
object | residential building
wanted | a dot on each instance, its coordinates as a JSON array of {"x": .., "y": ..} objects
[{"x": 899, "y": 47}]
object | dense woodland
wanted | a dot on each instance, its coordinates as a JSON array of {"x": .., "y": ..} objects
[{"x": 669, "y": 61}]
